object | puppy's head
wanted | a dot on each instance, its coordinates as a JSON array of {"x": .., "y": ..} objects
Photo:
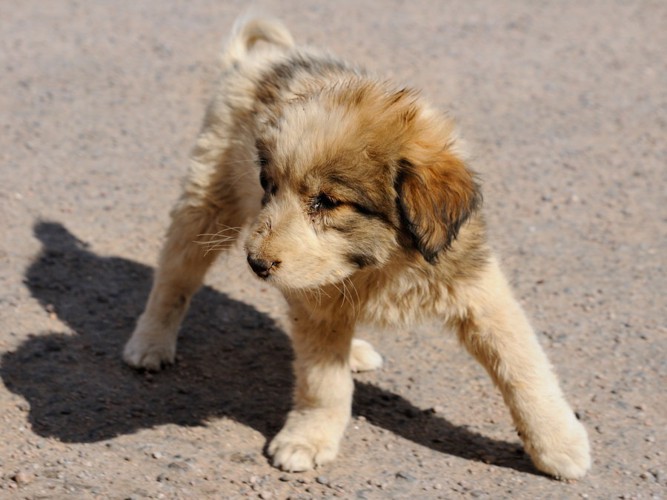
[{"x": 351, "y": 177}]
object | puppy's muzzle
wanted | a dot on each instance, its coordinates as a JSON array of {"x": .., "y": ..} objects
[{"x": 261, "y": 267}]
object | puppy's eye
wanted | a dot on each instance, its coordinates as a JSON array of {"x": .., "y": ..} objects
[
  {"x": 323, "y": 202},
  {"x": 269, "y": 187},
  {"x": 263, "y": 180},
  {"x": 262, "y": 159}
]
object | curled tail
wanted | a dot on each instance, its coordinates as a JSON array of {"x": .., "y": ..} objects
[{"x": 248, "y": 31}]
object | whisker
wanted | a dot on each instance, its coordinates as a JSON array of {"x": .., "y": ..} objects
[
  {"x": 223, "y": 230},
  {"x": 216, "y": 240},
  {"x": 342, "y": 292},
  {"x": 346, "y": 294},
  {"x": 356, "y": 293}
]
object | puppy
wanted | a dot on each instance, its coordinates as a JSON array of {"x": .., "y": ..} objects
[{"x": 361, "y": 207}]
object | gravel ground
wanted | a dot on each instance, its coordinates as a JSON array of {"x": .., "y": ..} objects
[{"x": 565, "y": 107}]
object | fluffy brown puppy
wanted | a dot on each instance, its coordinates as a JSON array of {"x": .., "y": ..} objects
[{"x": 361, "y": 208}]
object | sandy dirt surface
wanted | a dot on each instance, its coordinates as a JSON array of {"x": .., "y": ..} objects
[{"x": 565, "y": 107}]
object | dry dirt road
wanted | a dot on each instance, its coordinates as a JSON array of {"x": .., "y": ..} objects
[{"x": 565, "y": 107}]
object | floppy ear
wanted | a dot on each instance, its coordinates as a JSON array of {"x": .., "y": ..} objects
[{"x": 436, "y": 194}]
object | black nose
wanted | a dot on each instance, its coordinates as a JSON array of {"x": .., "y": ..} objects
[{"x": 261, "y": 267}]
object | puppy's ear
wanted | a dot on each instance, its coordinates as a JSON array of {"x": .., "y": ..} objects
[{"x": 436, "y": 194}]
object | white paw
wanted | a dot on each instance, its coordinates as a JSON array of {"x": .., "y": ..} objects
[
  {"x": 296, "y": 453},
  {"x": 149, "y": 352},
  {"x": 363, "y": 357},
  {"x": 309, "y": 439},
  {"x": 566, "y": 455}
]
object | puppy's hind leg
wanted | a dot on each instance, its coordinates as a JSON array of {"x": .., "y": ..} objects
[{"x": 498, "y": 335}]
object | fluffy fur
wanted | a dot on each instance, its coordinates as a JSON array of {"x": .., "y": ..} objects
[{"x": 361, "y": 207}]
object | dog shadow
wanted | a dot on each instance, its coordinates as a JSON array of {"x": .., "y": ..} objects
[{"x": 234, "y": 362}]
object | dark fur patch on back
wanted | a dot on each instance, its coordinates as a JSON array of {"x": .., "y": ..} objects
[{"x": 278, "y": 78}]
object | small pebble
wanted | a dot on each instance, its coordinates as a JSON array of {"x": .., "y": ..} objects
[
  {"x": 657, "y": 474},
  {"x": 22, "y": 478},
  {"x": 322, "y": 480},
  {"x": 180, "y": 466},
  {"x": 408, "y": 477}
]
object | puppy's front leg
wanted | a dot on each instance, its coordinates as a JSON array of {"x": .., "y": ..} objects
[
  {"x": 323, "y": 393},
  {"x": 182, "y": 266},
  {"x": 498, "y": 334}
]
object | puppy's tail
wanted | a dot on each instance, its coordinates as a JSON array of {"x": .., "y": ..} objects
[{"x": 248, "y": 30}]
